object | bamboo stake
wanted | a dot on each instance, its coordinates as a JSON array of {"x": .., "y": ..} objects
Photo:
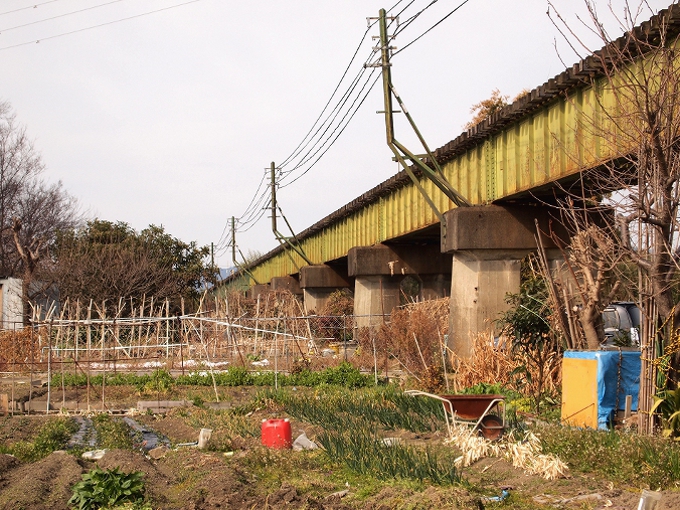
[
  {"x": 257, "y": 323},
  {"x": 441, "y": 343},
  {"x": 77, "y": 331},
  {"x": 49, "y": 368},
  {"x": 89, "y": 352},
  {"x": 102, "y": 316},
  {"x": 422, "y": 358}
]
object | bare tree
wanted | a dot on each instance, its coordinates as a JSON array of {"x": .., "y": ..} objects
[
  {"x": 31, "y": 210},
  {"x": 637, "y": 77},
  {"x": 636, "y": 120},
  {"x": 591, "y": 273}
]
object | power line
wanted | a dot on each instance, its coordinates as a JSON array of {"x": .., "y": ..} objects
[
  {"x": 316, "y": 136},
  {"x": 432, "y": 27},
  {"x": 60, "y": 16},
  {"x": 34, "y": 6},
  {"x": 338, "y": 135},
  {"x": 328, "y": 123},
  {"x": 356, "y": 52},
  {"x": 100, "y": 25},
  {"x": 414, "y": 17},
  {"x": 331, "y": 137}
]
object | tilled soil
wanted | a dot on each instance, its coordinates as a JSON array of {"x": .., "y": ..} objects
[
  {"x": 45, "y": 484},
  {"x": 192, "y": 479},
  {"x": 189, "y": 479}
]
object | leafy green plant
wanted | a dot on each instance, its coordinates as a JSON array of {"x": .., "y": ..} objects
[
  {"x": 363, "y": 451},
  {"x": 161, "y": 381},
  {"x": 534, "y": 343},
  {"x": 112, "y": 433},
  {"x": 352, "y": 421},
  {"x": 667, "y": 403},
  {"x": 107, "y": 488},
  {"x": 52, "y": 436}
]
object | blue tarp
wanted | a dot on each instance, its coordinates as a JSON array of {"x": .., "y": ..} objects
[{"x": 612, "y": 385}]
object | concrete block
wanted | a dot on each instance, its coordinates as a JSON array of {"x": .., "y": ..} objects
[
  {"x": 494, "y": 227},
  {"x": 373, "y": 297},
  {"x": 316, "y": 298},
  {"x": 161, "y": 406},
  {"x": 286, "y": 283},
  {"x": 481, "y": 280},
  {"x": 257, "y": 290},
  {"x": 323, "y": 276},
  {"x": 397, "y": 260}
]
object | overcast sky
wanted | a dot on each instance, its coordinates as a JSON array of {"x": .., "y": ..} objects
[{"x": 171, "y": 118}]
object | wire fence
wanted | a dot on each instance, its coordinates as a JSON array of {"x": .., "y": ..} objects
[
  {"x": 182, "y": 343},
  {"x": 82, "y": 342}
]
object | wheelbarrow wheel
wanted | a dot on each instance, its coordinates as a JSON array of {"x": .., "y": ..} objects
[{"x": 491, "y": 427}]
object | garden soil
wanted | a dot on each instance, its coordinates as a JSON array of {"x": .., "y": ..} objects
[{"x": 191, "y": 479}]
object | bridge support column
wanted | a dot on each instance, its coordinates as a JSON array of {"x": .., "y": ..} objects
[
  {"x": 488, "y": 244},
  {"x": 434, "y": 286},
  {"x": 379, "y": 270},
  {"x": 374, "y": 297},
  {"x": 318, "y": 283},
  {"x": 256, "y": 290},
  {"x": 288, "y": 283},
  {"x": 481, "y": 280}
]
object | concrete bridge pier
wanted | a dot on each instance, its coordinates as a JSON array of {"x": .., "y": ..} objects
[
  {"x": 434, "y": 286},
  {"x": 289, "y": 283},
  {"x": 319, "y": 282},
  {"x": 379, "y": 270},
  {"x": 256, "y": 290},
  {"x": 488, "y": 244}
]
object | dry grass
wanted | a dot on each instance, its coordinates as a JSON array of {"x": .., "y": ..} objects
[
  {"x": 525, "y": 454},
  {"x": 495, "y": 364},
  {"x": 20, "y": 349},
  {"x": 412, "y": 339}
]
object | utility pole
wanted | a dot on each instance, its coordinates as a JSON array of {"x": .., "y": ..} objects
[
  {"x": 427, "y": 163},
  {"x": 286, "y": 242},
  {"x": 273, "y": 185},
  {"x": 233, "y": 240}
]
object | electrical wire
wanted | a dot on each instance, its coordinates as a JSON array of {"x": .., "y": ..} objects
[
  {"x": 338, "y": 135},
  {"x": 324, "y": 132},
  {"x": 344, "y": 74},
  {"x": 99, "y": 25},
  {"x": 328, "y": 123},
  {"x": 431, "y": 28},
  {"x": 34, "y": 6},
  {"x": 59, "y": 16},
  {"x": 328, "y": 143}
]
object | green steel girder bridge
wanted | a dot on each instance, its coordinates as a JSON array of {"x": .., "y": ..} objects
[
  {"x": 531, "y": 148},
  {"x": 528, "y": 146}
]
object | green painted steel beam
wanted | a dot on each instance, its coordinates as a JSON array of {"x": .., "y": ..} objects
[{"x": 542, "y": 146}]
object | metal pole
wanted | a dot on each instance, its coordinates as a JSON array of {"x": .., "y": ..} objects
[
  {"x": 386, "y": 75},
  {"x": 273, "y": 188},
  {"x": 233, "y": 240}
]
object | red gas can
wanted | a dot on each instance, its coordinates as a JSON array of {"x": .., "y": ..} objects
[{"x": 277, "y": 434}]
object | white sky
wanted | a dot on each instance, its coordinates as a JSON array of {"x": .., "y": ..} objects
[{"x": 171, "y": 118}]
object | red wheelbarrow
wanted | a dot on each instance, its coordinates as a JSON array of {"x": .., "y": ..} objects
[{"x": 484, "y": 412}]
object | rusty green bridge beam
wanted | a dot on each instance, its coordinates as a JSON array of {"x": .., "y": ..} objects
[{"x": 542, "y": 138}]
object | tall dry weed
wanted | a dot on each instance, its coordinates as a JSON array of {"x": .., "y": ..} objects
[
  {"x": 412, "y": 340},
  {"x": 20, "y": 350},
  {"x": 495, "y": 363}
]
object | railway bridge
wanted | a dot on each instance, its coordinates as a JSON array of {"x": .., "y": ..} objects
[{"x": 505, "y": 167}]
